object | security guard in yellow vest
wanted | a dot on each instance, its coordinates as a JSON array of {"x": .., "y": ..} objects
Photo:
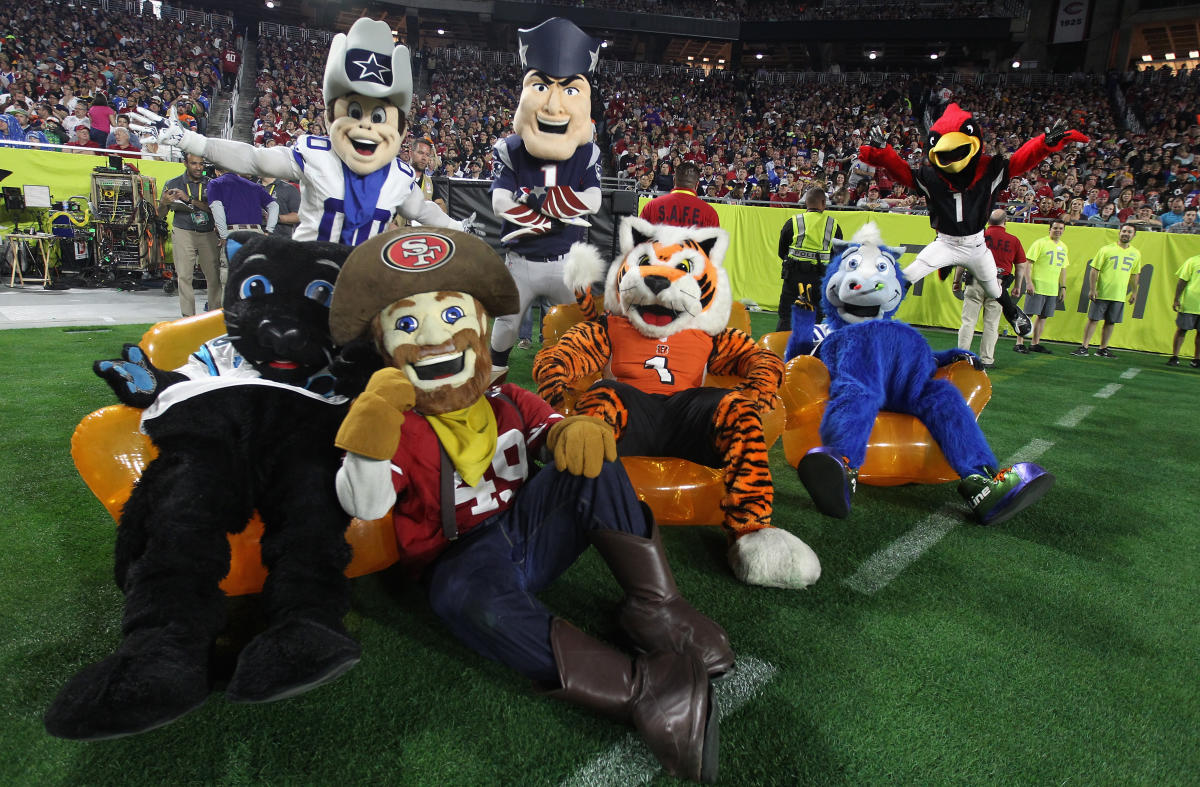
[{"x": 805, "y": 247}]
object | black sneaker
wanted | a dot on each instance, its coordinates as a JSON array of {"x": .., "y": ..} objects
[
  {"x": 1104, "y": 352},
  {"x": 1020, "y": 348},
  {"x": 1080, "y": 352},
  {"x": 830, "y": 481},
  {"x": 1040, "y": 348},
  {"x": 1195, "y": 364},
  {"x": 1174, "y": 361}
]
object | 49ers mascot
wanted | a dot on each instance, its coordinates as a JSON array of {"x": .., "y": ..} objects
[{"x": 451, "y": 458}]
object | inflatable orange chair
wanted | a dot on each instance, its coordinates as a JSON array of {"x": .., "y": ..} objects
[
  {"x": 679, "y": 492},
  {"x": 110, "y": 453},
  {"x": 900, "y": 450}
]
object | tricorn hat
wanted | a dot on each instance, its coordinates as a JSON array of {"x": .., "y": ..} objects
[
  {"x": 367, "y": 61},
  {"x": 558, "y": 49},
  {"x": 396, "y": 264}
]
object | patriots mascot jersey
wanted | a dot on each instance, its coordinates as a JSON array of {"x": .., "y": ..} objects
[
  {"x": 339, "y": 205},
  {"x": 516, "y": 168}
]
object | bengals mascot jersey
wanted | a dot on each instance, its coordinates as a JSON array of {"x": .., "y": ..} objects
[{"x": 668, "y": 303}]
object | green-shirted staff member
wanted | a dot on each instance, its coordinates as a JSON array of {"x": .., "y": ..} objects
[
  {"x": 805, "y": 247},
  {"x": 1112, "y": 277}
]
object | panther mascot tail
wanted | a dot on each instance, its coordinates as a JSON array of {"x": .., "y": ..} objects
[
  {"x": 878, "y": 363},
  {"x": 667, "y": 305}
]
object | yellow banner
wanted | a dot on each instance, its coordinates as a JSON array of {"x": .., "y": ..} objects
[{"x": 753, "y": 265}]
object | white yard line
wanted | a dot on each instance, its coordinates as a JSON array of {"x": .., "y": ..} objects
[
  {"x": 886, "y": 564},
  {"x": 1073, "y": 418},
  {"x": 1108, "y": 390},
  {"x": 1129, "y": 374},
  {"x": 630, "y": 762}
]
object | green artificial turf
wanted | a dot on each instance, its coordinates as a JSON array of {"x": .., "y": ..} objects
[{"x": 1057, "y": 648}]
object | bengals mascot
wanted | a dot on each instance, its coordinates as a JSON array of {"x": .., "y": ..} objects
[{"x": 667, "y": 302}]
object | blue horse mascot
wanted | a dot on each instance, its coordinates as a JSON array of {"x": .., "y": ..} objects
[{"x": 877, "y": 363}]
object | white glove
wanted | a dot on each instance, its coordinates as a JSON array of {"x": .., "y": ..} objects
[
  {"x": 364, "y": 486},
  {"x": 174, "y": 134},
  {"x": 471, "y": 224}
]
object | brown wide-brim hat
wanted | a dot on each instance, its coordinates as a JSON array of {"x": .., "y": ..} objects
[{"x": 399, "y": 263}]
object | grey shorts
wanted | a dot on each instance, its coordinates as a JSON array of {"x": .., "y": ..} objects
[
  {"x": 1109, "y": 311},
  {"x": 1040, "y": 305},
  {"x": 1187, "y": 322}
]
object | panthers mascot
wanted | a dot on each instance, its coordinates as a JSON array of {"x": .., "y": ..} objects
[
  {"x": 960, "y": 184},
  {"x": 668, "y": 302},
  {"x": 877, "y": 363},
  {"x": 248, "y": 423}
]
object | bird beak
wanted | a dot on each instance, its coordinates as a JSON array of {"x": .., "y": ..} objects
[{"x": 954, "y": 150}]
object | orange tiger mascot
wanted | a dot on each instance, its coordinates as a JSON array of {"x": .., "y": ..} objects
[{"x": 667, "y": 304}]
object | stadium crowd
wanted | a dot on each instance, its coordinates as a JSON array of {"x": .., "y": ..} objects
[
  {"x": 753, "y": 141},
  {"x": 65, "y": 67},
  {"x": 784, "y": 10}
]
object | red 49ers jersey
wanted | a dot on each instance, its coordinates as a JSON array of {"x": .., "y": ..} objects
[
  {"x": 658, "y": 366},
  {"x": 416, "y": 474}
]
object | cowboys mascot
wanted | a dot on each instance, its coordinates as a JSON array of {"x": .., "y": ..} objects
[
  {"x": 351, "y": 182},
  {"x": 547, "y": 175}
]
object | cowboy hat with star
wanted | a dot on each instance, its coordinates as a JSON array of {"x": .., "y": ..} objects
[{"x": 367, "y": 61}]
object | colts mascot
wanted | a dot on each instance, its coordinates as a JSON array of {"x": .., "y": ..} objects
[
  {"x": 877, "y": 363},
  {"x": 546, "y": 176},
  {"x": 451, "y": 458},
  {"x": 351, "y": 182},
  {"x": 668, "y": 303},
  {"x": 960, "y": 184},
  {"x": 248, "y": 423}
]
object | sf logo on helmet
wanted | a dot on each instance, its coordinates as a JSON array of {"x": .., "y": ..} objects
[{"x": 418, "y": 252}]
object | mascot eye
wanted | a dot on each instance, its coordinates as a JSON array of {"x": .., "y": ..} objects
[
  {"x": 645, "y": 260},
  {"x": 572, "y": 91},
  {"x": 255, "y": 286},
  {"x": 881, "y": 267},
  {"x": 453, "y": 315},
  {"x": 933, "y": 138},
  {"x": 354, "y": 110},
  {"x": 851, "y": 264},
  {"x": 320, "y": 291},
  {"x": 684, "y": 265},
  {"x": 407, "y": 323},
  {"x": 541, "y": 87},
  {"x": 969, "y": 128},
  {"x": 378, "y": 115}
]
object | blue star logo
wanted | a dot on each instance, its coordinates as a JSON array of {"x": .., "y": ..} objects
[{"x": 373, "y": 70}]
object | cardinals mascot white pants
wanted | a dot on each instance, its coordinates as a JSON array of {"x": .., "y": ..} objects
[{"x": 968, "y": 251}]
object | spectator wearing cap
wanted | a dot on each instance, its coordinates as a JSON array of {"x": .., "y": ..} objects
[
  {"x": 872, "y": 200},
  {"x": 82, "y": 139}
]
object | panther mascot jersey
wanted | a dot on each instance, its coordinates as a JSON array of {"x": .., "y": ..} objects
[
  {"x": 247, "y": 424},
  {"x": 877, "y": 363},
  {"x": 960, "y": 184},
  {"x": 668, "y": 302}
]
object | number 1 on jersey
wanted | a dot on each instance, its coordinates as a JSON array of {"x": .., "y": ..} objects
[
  {"x": 659, "y": 364},
  {"x": 958, "y": 210}
]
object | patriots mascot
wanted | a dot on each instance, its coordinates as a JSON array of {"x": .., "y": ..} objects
[
  {"x": 247, "y": 424},
  {"x": 877, "y": 363},
  {"x": 960, "y": 184},
  {"x": 546, "y": 177},
  {"x": 351, "y": 182}
]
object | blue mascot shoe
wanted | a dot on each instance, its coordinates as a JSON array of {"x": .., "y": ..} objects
[
  {"x": 1008, "y": 492},
  {"x": 830, "y": 481}
]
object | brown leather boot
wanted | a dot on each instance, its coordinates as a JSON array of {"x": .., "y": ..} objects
[
  {"x": 654, "y": 615},
  {"x": 666, "y": 696}
]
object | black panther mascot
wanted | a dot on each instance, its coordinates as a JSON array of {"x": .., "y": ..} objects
[{"x": 247, "y": 424}]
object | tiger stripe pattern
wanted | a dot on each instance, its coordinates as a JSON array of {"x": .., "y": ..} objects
[
  {"x": 581, "y": 352},
  {"x": 735, "y": 353},
  {"x": 749, "y": 490}
]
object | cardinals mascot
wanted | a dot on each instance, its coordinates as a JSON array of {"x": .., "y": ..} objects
[
  {"x": 960, "y": 184},
  {"x": 452, "y": 459},
  {"x": 877, "y": 363},
  {"x": 351, "y": 182},
  {"x": 668, "y": 302},
  {"x": 547, "y": 175}
]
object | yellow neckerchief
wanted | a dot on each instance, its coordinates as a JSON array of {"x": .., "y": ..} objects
[{"x": 469, "y": 438}]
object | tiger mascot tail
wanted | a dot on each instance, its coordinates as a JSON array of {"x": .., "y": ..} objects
[{"x": 664, "y": 329}]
